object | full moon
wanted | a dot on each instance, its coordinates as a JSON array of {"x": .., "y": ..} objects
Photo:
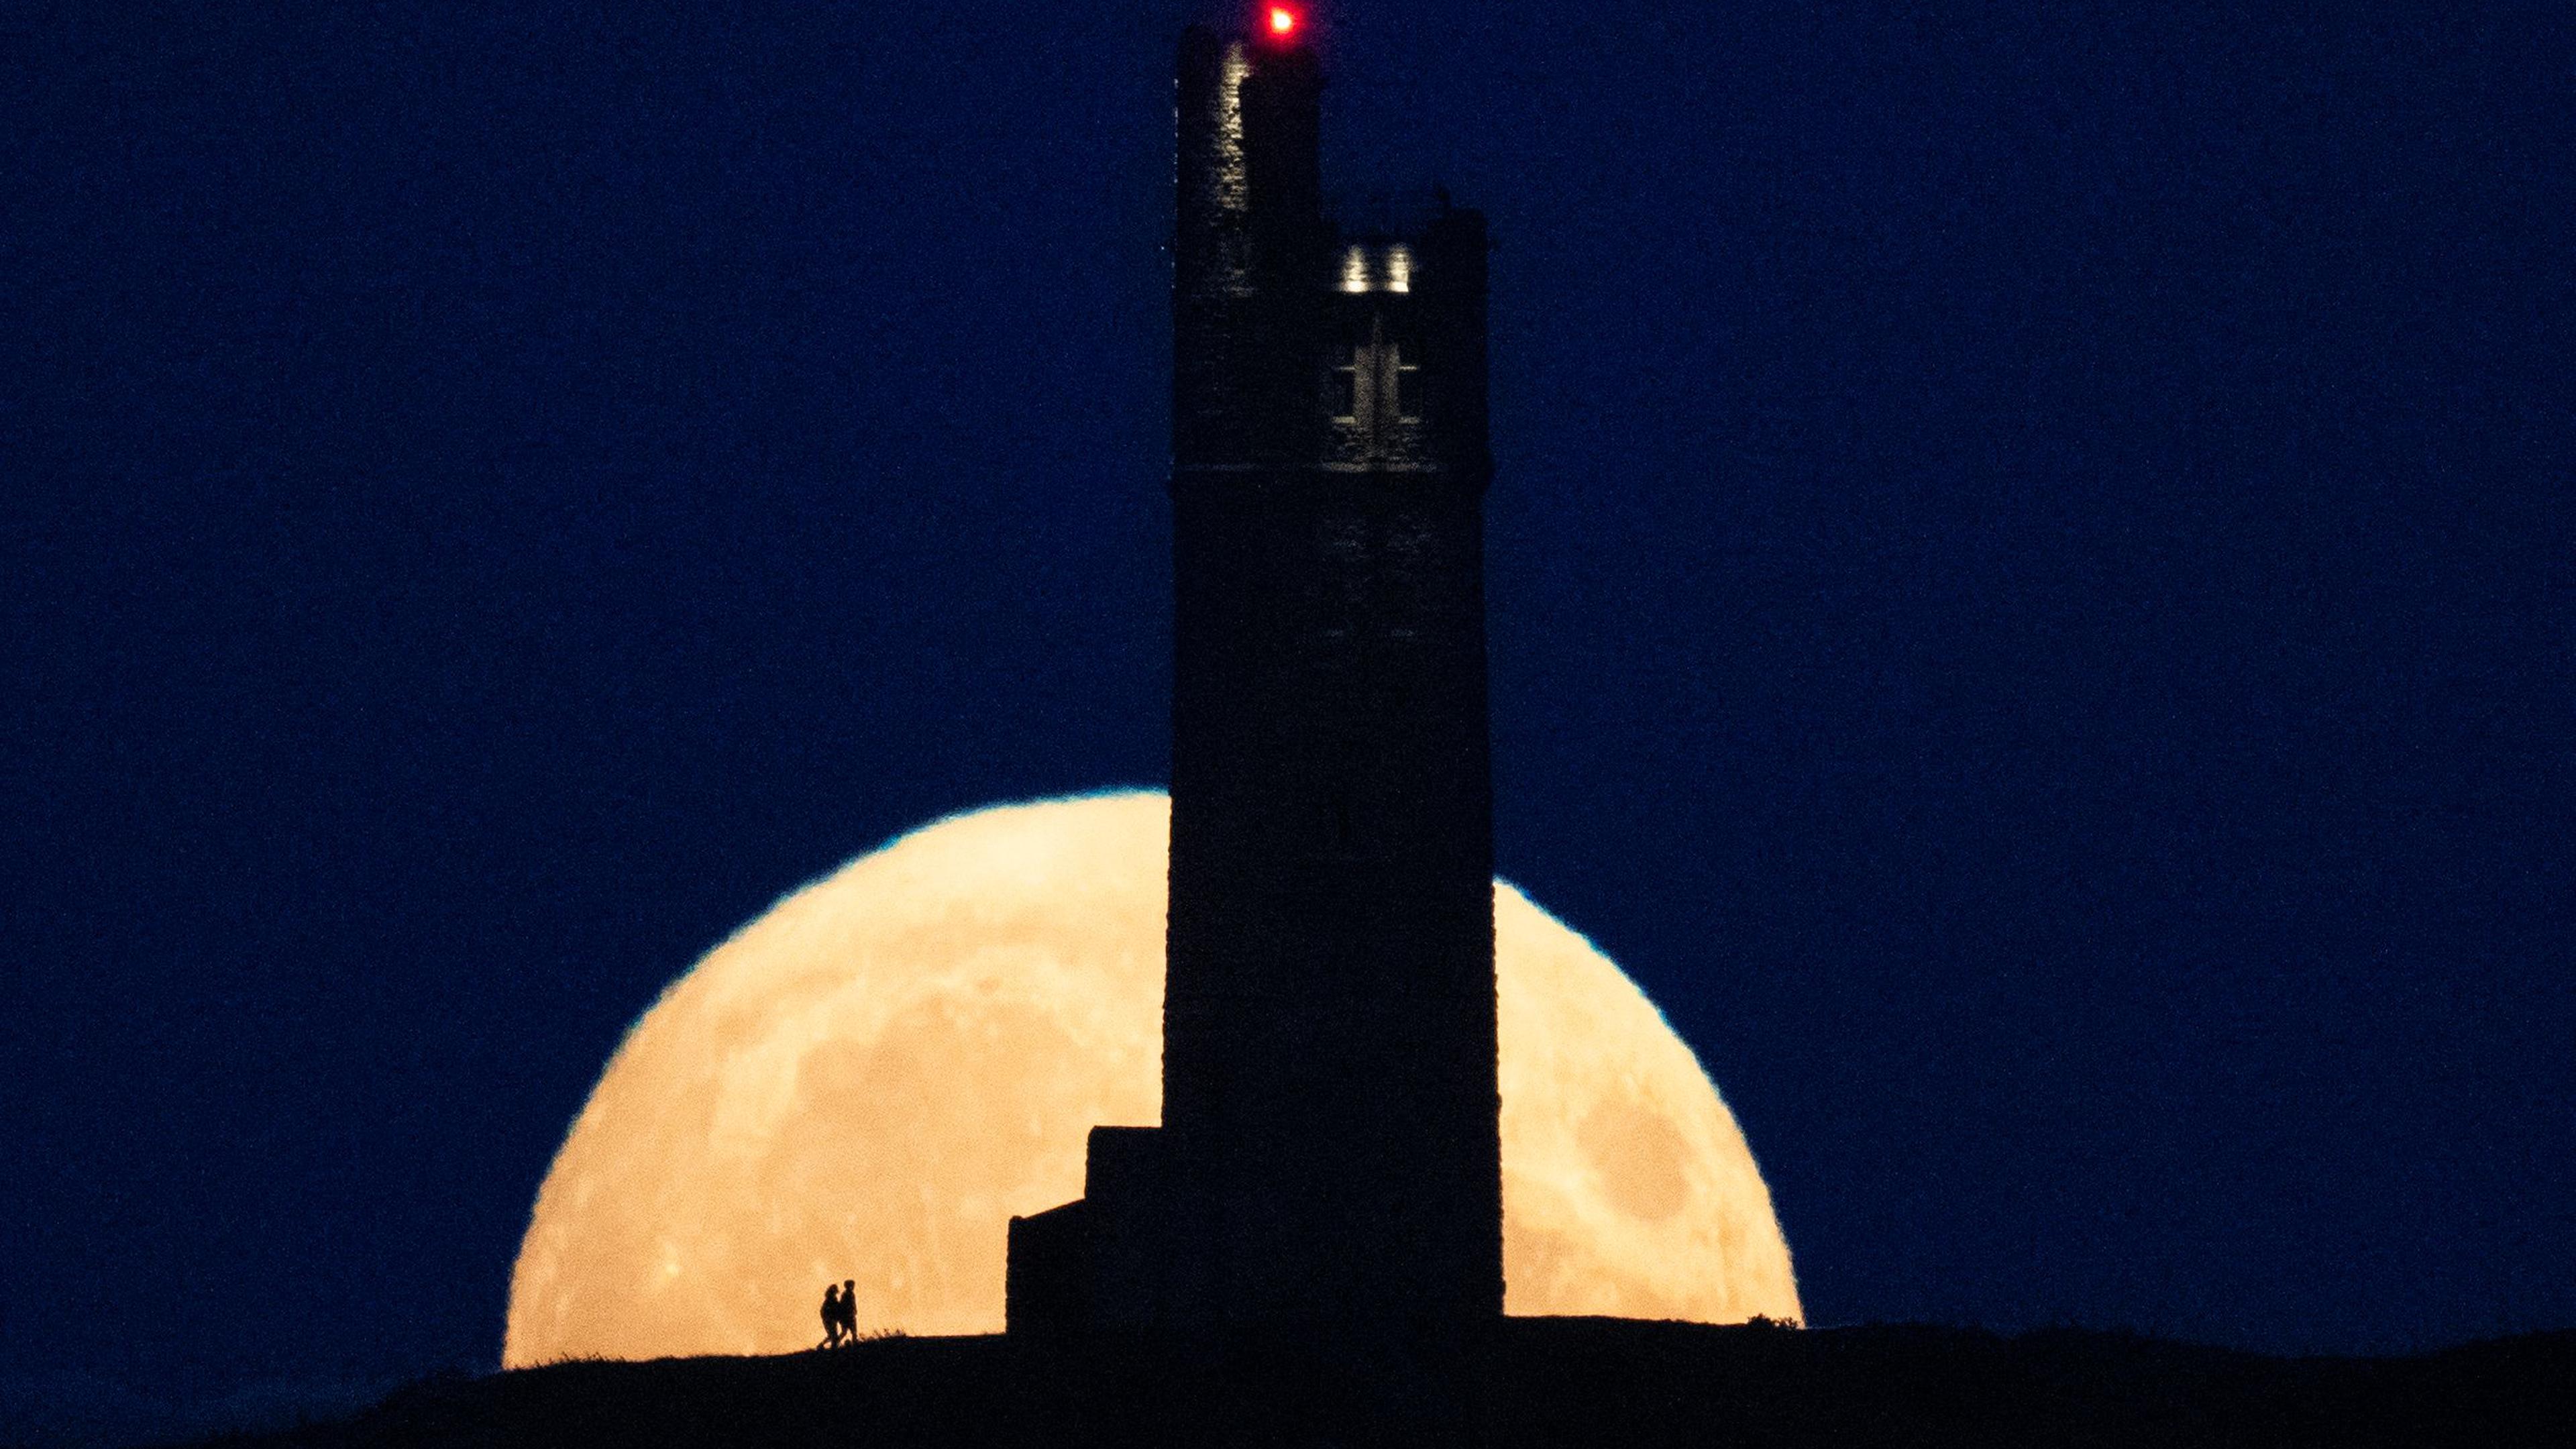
[{"x": 867, "y": 1082}]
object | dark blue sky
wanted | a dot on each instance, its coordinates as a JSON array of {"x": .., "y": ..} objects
[{"x": 2032, "y": 606}]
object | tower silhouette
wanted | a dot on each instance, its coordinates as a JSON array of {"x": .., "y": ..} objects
[{"x": 1330, "y": 1149}]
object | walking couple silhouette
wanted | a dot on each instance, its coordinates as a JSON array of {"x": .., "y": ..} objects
[{"x": 840, "y": 1313}]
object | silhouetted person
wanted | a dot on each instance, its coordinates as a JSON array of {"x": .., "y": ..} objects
[
  {"x": 849, "y": 1310},
  {"x": 833, "y": 1308}
]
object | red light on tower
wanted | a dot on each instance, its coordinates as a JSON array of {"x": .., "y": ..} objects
[{"x": 1283, "y": 22}]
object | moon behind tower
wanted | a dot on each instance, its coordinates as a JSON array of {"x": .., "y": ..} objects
[{"x": 871, "y": 1078}]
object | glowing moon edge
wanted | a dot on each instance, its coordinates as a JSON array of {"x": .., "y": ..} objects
[{"x": 866, "y": 1081}]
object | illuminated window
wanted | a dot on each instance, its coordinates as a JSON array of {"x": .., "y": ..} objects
[
  {"x": 1346, "y": 386},
  {"x": 1399, "y": 269},
  {"x": 1355, "y": 270},
  {"x": 1374, "y": 389}
]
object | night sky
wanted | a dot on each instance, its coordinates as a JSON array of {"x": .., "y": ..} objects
[{"x": 2032, "y": 607}]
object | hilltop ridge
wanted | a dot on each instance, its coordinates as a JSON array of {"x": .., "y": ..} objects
[{"x": 1533, "y": 1382}]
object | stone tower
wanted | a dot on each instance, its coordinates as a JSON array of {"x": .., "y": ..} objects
[{"x": 1330, "y": 1150}]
